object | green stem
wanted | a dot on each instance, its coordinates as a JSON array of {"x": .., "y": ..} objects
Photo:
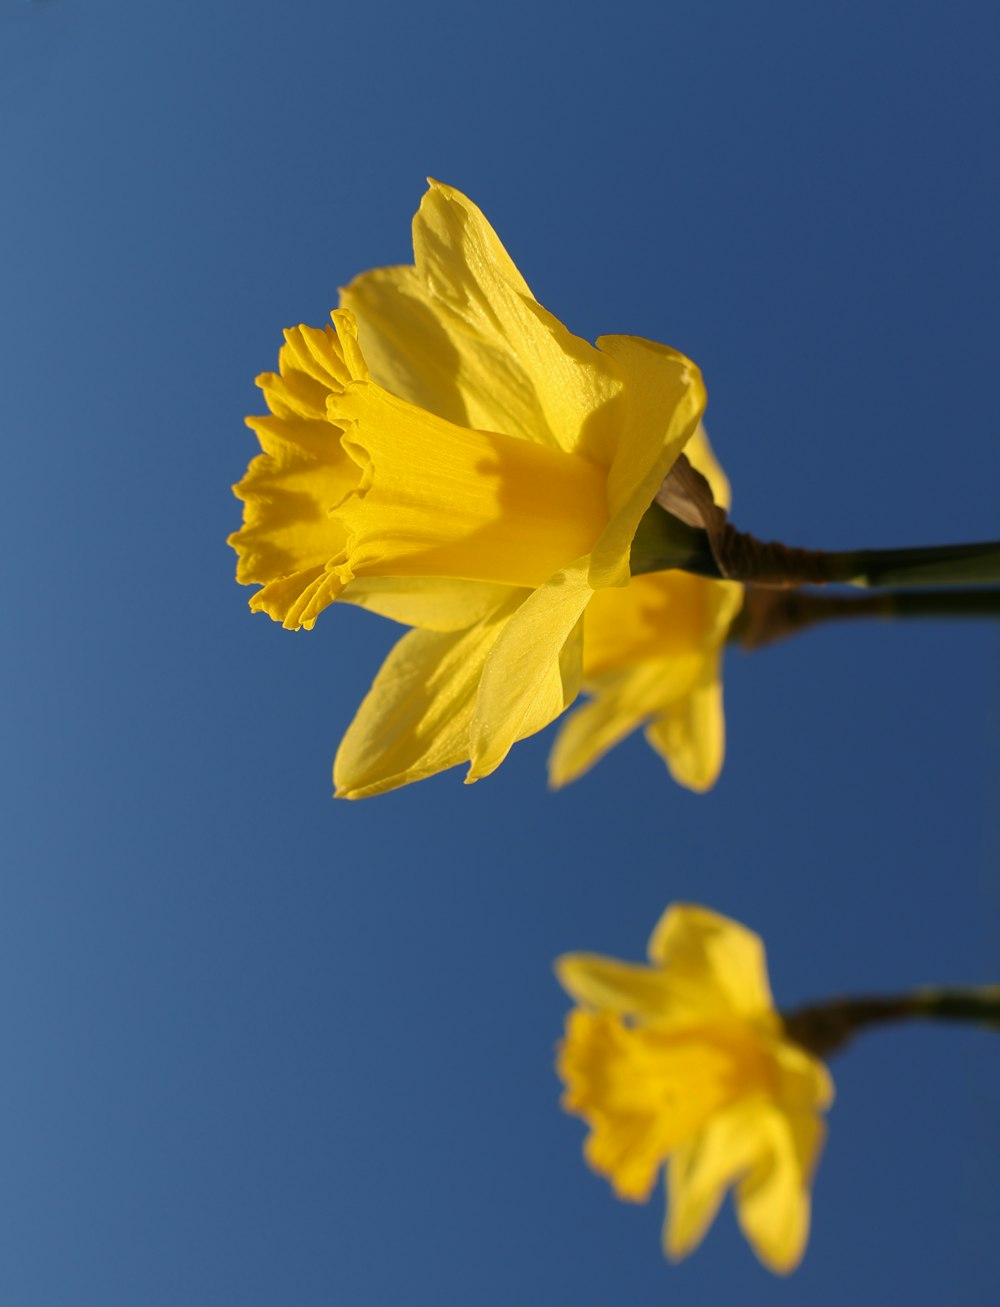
[
  {"x": 972, "y": 564},
  {"x": 824, "y": 1028},
  {"x": 663, "y": 541}
]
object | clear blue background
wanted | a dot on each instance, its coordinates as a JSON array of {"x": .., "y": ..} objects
[{"x": 261, "y": 1047}]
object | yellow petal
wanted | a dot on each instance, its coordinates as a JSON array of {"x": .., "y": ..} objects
[
  {"x": 682, "y": 994},
  {"x": 432, "y": 603},
  {"x": 646, "y": 646},
  {"x": 587, "y": 735},
  {"x": 804, "y": 1082},
  {"x": 408, "y": 349},
  {"x": 414, "y": 722},
  {"x": 461, "y": 335},
  {"x": 647, "y": 995},
  {"x": 659, "y": 615},
  {"x": 701, "y": 1171},
  {"x": 718, "y": 958},
  {"x": 664, "y": 398},
  {"x": 773, "y": 1200},
  {"x": 518, "y": 368},
  {"x": 533, "y": 671},
  {"x": 621, "y": 703},
  {"x": 611, "y": 986},
  {"x": 690, "y": 734}
]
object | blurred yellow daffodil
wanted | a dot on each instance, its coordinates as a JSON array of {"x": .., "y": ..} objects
[
  {"x": 685, "y": 1063},
  {"x": 652, "y": 655},
  {"x": 450, "y": 456}
]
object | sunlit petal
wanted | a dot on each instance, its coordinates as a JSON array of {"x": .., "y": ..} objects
[
  {"x": 607, "y": 985},
  {"x": 414, "y": 722},
  {"x": 724, "y": 958},
  {"x": 690, "y": 734},
  {"x": 588, "y": 733},
  {"x": 519, "y": 369},
  {"x": 664, "y": 397},
  {"x": 533, "y": 671},
  {"x": 702, "y": 1171},
  {"x": 773, "y": 1201},
  {"x": 432, "y": 603}
]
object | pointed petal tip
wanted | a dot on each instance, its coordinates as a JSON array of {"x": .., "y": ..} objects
[
  {"x": 695, "y": 785},
  {"x": 678, "y": 1243},
  {"x": 450, "y": 193},
  {"x": 352, "y": 791},
  {"x": 561, "y": 773},
  {"x": 563, "y": 967},
  {"x": 781, "y": 1264},
  {"x": 674, "y": 1249}
]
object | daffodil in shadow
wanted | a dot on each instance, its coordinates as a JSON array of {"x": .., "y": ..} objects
[
  {"x": 685, "y": 1063},
  {"x": 449, "y": 455},
  {"x": 652, "y": 657}
]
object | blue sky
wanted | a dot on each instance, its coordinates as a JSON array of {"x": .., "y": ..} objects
[{"x": 263, "y": 1047}]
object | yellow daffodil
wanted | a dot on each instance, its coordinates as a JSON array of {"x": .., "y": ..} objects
[
  {"x": 449, "y": 455},
  {"x": 685, "y": 1063},
  {"x": 652, "y": 655}
]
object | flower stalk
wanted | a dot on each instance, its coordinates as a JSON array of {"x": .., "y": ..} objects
[
  {"x": 825, "y": 1028},
  {"x": 718, "y": 550}
]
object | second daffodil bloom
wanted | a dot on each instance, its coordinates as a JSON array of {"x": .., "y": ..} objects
[
  {"x": 448, "y": 454},
  {"x": 686, "y": 1063},
  {"x": 652, "y": 656}
]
